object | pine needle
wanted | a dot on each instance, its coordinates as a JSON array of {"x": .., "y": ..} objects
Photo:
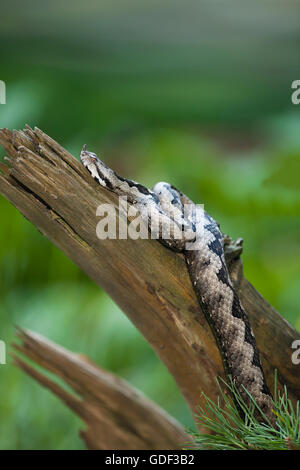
[{"x": 231, "y": 432}]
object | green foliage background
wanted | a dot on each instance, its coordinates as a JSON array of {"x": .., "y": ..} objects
[{"x": 193, "y": 93}]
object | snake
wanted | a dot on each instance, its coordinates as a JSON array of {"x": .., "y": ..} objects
[{"x": 202, "y": 244}]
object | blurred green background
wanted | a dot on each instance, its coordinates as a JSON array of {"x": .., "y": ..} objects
[{"x": 197, "y": 93}]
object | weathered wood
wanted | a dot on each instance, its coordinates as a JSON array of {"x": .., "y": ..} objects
[
  {"x": 116, "y": 415},
  {"x": 149, "y": 282}
]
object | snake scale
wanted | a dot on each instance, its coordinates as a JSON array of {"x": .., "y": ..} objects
[{"x": 203, "y": 246}]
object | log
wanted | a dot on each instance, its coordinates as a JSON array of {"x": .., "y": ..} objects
[
  {"x": 149, "y": 282},
  {"x": 116, "y": 415}
]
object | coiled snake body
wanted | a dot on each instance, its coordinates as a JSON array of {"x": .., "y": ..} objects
[{"x": 203, "y": 246}]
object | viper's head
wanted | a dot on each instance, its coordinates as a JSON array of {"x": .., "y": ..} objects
[{"x": 86, "y": 156}]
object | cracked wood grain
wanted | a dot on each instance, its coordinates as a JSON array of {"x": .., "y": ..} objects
[
  {"x": 116, "y": 415},
  {"x": 149, "y": 282}
]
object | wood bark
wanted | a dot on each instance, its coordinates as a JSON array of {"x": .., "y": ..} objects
[
  {"x": 116, "y": 415},
  {"x": 149, "y": 282}
]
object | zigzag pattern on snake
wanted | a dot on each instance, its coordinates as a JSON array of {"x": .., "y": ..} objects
[{"x": 203, "y": 246}]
